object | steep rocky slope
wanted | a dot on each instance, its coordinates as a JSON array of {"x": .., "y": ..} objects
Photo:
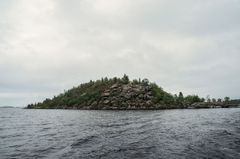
[
  {"x": 115, "y": 93},
  {"x": 123, "y": 94}
]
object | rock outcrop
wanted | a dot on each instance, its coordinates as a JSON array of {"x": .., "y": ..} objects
[
  {"x": 127, "y": 96},
  {"x": 122, "y": 94},
  {"x": 212, "y": 105}
]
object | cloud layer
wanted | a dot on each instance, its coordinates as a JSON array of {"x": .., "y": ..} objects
[{"x": 47, "y": 46}]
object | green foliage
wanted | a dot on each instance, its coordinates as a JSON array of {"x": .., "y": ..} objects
[
  {"x": 226, "y": 99},
  {"x": 145, "y": 82},
  {"x": 88, "y": 93},
  {"x": 202, "y": 100},
  {"x": 168, "y": 98},
  {"x": 180, "y": 98},
  {"x": 209, "y": 100},
  {"x": 160, "y": 96},
  {"x": 214, "y": 100},
  {"x": 125, "y": 79},
  {"x": 190, "y": 99},
  {"x": 135, "y": 82}
]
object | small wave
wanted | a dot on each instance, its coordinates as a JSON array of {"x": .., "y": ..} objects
[
  {"x": 69, "y": 125},
  {"x": 45, "y": 129},
  {"x": 172, "y": 134},
  {"x": 15, "y": 146},
  {"x": 85, "y": 140},
  {"x": 44, "y": 150},
  {"x": 223, "y": 133},
  {"x": 112, "y": 125},
  {"x": 10, "y": 136}
]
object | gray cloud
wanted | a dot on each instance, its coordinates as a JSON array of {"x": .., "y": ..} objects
[{"x": 47, "y": 46}]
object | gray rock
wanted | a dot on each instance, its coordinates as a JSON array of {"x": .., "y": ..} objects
[
  {"x": 105, "y": 94},
  {"x": 114, "y": 86},
  {"x": 106, "y": 101}
]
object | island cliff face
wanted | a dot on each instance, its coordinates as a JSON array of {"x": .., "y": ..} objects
[
  {"x": 119, "y": 94},
  {"x": 124, "y": 96}
]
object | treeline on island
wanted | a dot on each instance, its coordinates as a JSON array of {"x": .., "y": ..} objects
[{"x": 124, "y": 94}]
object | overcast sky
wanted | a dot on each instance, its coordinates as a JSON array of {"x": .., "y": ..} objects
[{"x": 47, "y": 46}]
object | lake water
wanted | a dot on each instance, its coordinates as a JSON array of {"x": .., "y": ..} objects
[{"x": 203, "y": 133}]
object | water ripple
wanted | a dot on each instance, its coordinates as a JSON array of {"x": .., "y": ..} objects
[{"x": 204, "y": 133}]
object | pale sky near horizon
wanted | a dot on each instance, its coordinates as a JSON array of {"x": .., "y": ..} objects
[{"x": 47, "y": 46}]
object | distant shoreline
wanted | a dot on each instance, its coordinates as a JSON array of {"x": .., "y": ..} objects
[
  {"x": 8, "y": 107},
  {"x": 136, "y": 108}
]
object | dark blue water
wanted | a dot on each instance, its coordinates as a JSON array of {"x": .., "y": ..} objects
[{"x": 204, "y": 133}]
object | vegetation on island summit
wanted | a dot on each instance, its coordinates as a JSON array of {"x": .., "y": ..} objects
[{"x": 119, "y": 93}]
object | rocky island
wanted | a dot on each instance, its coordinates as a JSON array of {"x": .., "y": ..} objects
[{"x": 123, "y": 94}]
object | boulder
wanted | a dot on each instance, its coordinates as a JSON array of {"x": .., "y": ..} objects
[
  {"x": 105, "y": 94},
  {"x": 114, "y": 86},
  {"x": 106, "y": 101}
]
